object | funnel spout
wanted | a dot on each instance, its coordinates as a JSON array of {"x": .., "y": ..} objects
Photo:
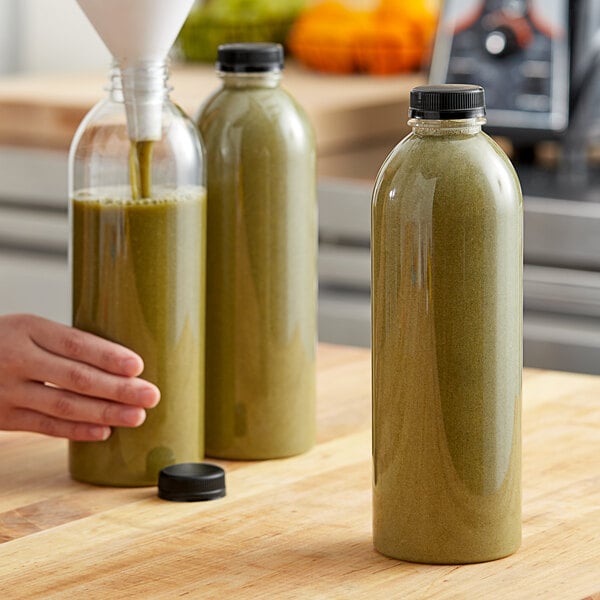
[{"x": 144, "y": 92}]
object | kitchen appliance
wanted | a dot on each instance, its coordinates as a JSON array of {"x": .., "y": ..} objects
[
  {"x": 518, "y": 50},
  {"x": 539, "y": 61}
]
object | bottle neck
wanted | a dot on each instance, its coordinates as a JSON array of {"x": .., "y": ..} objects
[
  {"x": 143, "y": 88},
  {"x": 445, "y": 127},
  {"x": 269, "y": 79}
]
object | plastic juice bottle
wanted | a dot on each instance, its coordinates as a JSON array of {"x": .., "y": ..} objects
[
  {"x": 261, "y": 261},
  {"x": 138, "y": 212},
  {"x": 447, "y": 337}
]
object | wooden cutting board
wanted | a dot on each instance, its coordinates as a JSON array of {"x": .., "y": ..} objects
[{"x": 301, "y": 527}]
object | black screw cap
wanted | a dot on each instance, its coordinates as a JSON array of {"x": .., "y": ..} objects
[
  {"x": 447, "y": 101},
  {"x": 191, "y": 482}
]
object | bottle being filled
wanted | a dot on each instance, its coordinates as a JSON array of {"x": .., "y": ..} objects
[
  {"x": 261, "y": 261},
  {"x": 447, "y": 219},
  {"x": 137, "y": 252}
]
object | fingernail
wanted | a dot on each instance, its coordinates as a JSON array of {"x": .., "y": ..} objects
[
  {"x": 149, "y": 396},
  {"x": 100, "y": 433},
  {"x": 133, "y": 417},
  {"x": 132, "y": 365}
]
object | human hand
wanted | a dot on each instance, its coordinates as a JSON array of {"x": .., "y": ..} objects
[{"x": 68, "y": 383}]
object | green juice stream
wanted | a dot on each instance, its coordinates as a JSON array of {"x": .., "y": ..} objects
[
  {"x": 140, "y": 169},
  {"x": 138, "y": 268}
]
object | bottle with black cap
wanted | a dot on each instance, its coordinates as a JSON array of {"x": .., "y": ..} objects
[
  {"x": 261, "y": 261},
  {"x": 446, "y": 337}
]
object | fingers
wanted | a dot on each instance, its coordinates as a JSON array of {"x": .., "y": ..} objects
[
  {"x": 85, "y": 347},
  {"x": 89, "y": 381},
  {"x": 86, "y": 364},
  {"x": 52, "y": 411},
  {"x": 97, "y": 380},
  {"x": 68, "y": 406},
  {"x": 29, "y": 420}
]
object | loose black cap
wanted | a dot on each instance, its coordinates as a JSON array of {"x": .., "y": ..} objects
[
  {"x": 250, "y": 58},
  {"x": 449, "y": 101},
  {"x": 190, "y": 482}
]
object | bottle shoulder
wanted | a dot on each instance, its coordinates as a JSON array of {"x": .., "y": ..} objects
[
  {"x": 445, "y": 156},
  {"x": 264, "y": 114},
  {"x": 449, "y": 167},
  {"x": 111, "y": 113},
  {"x": 235, "y": 103},
  {"x": 102, "y": 141}
]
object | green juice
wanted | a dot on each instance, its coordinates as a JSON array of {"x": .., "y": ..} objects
[
  {"x": 447, "y": 335},
  {"x": 138, "y": 279},
  {"x": 261, "y": 273},
  {"x": 140, "y": 169}
]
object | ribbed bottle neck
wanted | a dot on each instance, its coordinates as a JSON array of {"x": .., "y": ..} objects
[
  {"x": 434, "y": 127},
  {"x": 269, "y": 79},
  {"x": 143, "y": 88},
  {"x": 149, "y": 79}
]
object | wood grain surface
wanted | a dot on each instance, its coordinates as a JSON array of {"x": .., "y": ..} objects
[{"x": 301, "y": 527}]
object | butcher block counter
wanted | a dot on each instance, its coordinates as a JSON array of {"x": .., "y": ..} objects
[{"x": 301, "y": 527}]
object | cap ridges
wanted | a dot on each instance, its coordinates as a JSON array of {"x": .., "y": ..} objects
[
  {"x": 250, "y": 57},
  {"x": 191, "y": 482},
  {"x": 447, "y": 101}
]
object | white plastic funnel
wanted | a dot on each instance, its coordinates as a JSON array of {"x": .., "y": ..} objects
[{"x": 138, "y": 33}]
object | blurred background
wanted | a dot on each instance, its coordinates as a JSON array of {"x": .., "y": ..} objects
[
  {"x": 40, "y": 36},
  {"x": 351, "y": 65},
  {"x": 37, "y": 35}
]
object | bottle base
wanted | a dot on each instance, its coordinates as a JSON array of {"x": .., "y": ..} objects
[
  {"x": 102, "y": 482},
  {"x": 456, "y": 559},
  {"x": 250, "y": 456}
]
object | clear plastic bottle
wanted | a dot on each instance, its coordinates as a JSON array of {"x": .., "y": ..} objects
[
  {"x": 137, "y": 253},
  {"x": 262, "y": 261},
  {"x": 447, "y": 337}
]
